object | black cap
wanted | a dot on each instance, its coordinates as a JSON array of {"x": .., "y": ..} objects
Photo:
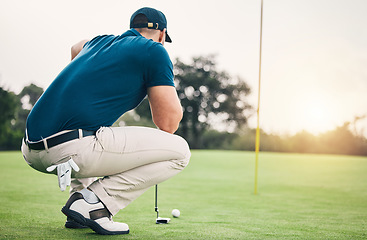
[{"x": 156, "y": 20}]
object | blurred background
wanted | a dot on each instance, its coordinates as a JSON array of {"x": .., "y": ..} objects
[{"x": 314, "y": 75}]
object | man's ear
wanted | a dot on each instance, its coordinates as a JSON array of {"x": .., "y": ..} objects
[{"x": 162, "y": 36}]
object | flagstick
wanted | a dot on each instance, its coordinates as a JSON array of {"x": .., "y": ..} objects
[{"x": 257, "y": 144}]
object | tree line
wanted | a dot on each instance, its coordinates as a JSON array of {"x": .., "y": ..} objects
[
  {"x": 14, "y": 110},
  {"x": 340, "y": 140},
  {"x": 211, "y": 99}
]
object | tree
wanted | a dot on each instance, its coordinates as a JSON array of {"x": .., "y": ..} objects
[
  {"x": 14, "y": 111},
  {"x": 28, "y": 97},
  {"x": 9, "y": 106},
  {"x": 303, "y": 142},
  {"x": 342, "y": 141},
  {"x": 210, "y": 99}
]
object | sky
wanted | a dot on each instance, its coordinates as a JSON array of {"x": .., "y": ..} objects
[{"x": 314, "y": 52}]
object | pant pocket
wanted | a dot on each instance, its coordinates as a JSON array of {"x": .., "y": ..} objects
[{"x": 110, "y": 140}]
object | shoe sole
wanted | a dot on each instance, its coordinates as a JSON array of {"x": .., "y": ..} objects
[
  {"x": 74, "y": 225},
  {"x": 77, "y": 217}
]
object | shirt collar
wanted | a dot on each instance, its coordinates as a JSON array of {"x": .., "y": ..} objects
[{"x": 133, "y": 31}]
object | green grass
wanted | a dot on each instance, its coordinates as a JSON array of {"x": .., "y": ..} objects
[{"x": 299, "y": 197}]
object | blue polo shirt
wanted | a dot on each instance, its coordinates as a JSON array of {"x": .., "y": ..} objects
[{"x": 109, "y": 77}]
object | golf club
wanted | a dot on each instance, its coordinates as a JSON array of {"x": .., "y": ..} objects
[{"x": 159, "y": 220}]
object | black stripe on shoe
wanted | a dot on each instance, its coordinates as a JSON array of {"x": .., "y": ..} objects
[
  {"x": 73, "y": 198},
  {"x": 99, "y": 213}
]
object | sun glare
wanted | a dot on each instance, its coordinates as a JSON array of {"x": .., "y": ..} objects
[{"x": 317, "y": 116}]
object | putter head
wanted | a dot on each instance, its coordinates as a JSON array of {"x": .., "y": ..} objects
[{"x": 162, "y": 220}]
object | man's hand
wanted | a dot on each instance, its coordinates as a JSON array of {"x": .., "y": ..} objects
[
  {"x": 75, "y": 49},
  {"x": 64, "y": 172}
]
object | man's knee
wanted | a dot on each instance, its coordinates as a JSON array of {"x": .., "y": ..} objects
[{"x": 184, "y": 149}]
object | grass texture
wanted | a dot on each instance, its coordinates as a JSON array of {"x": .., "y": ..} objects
[{"x": 300, "y": 196}]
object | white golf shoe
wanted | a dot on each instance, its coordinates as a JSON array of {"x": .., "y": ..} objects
[{"x": 93, "y": 215}]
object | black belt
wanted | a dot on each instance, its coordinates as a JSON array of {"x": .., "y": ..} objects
[{"x": 62, "y": 138}]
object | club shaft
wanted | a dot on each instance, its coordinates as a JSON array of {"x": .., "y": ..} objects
[{"x": 156, "y": 200}]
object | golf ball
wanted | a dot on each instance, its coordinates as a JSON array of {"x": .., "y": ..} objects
[{"x": 175, "y": 213}]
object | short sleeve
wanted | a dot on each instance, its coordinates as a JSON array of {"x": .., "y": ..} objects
[{"x": 159, "y": 67}]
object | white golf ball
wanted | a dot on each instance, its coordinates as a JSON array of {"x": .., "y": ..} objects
[{"x": 175, "y": 213}]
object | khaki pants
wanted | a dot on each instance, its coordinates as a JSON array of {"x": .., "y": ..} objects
[{"x": 130, "y": 160}]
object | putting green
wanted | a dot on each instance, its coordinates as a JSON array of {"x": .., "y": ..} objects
[{"x": 300, "y": 196}]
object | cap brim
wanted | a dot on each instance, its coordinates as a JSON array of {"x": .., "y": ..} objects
[{"x": 168, "y": 39}]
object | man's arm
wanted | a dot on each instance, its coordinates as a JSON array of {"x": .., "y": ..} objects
[
  {"x": 75, "y": 49},
  {"x": 166, "y": 107}
]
